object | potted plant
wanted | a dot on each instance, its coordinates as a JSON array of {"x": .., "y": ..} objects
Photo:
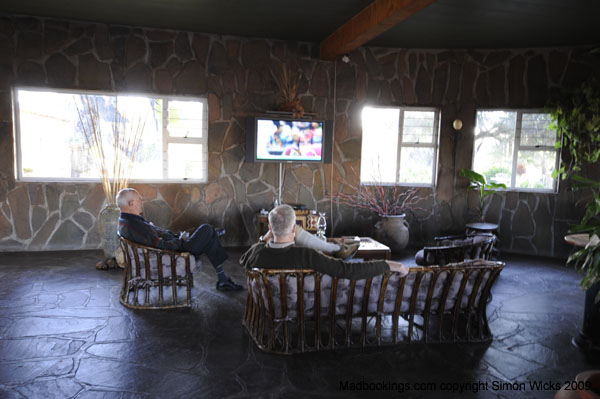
[
  {"x": 391, "y": 203},
  {"x": 576, "y": 117},
  {"x": 483, "y": 187}
]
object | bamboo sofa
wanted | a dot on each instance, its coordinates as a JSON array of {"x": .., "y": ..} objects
[
  {"x": 430, "y": 304},
  {"x": 155, "y": 278}
]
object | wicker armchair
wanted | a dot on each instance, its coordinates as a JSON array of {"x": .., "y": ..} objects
[
  {"x": 291, "y": 311},
  {"x": 452, "y": 249},
  {"x": 155, "y": 278}
]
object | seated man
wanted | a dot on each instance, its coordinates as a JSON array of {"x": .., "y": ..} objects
[
  {"x": 134, "y": 227},
  {"x": 282, "y": 253}
]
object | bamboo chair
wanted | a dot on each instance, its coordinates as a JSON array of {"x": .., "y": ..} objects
[{"x": 155, "y": 278}]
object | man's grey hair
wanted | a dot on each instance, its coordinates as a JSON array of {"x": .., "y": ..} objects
[
  {"x": 282, "y": 220},
  {"x": 124, "y": 196}
]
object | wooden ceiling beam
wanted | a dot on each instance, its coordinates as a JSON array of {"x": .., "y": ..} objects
[{"x": 375, "y": 19}]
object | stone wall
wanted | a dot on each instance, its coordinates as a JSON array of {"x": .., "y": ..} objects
[{"x": 237, "y": 76}]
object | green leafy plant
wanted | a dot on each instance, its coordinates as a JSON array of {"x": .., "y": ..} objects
[
  {"x": 483, "y": 187},
  {"x": 576, "y": 116},
  {"x": 587, "y": 259}
]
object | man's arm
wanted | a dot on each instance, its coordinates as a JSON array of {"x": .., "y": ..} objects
[
  {"x": 247, "y": 258},
  {"x": 145, "y": 233},
  {"x": 338, "y": 268},
  {"x": 170, "y": 243}
]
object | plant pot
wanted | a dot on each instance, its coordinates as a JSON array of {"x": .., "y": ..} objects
[
  {"x": 392, "y": 231},
  {"x": 108, "y": 221},
  {"x": 589, "y": 336}
]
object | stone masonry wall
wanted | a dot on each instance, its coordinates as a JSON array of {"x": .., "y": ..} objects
[{"x": 236, "y": 75}]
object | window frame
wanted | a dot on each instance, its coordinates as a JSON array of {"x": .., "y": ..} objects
[
  {"x": 518, "y": 147},
  {"x": 435, "y": 144},
  {"x": 166, "y": 139}
]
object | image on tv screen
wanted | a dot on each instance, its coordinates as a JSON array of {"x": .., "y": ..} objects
[{"x": 288, "y": 140}]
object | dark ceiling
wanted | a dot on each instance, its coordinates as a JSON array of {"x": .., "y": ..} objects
[{"x": 444, "y": 24}]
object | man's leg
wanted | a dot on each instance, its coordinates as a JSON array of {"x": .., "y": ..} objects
[{"x": 205, "y": 241}]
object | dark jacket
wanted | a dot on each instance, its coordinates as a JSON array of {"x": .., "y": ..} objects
[
  {"x": 292, "y": 257},
  {"x": 137, "y": 229}
]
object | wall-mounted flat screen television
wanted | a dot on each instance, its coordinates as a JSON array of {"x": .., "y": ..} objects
[{"x": 287, "y": 140}]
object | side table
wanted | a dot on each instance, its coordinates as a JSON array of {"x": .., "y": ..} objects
[
  {"x": 480, "y": 227},
  {"x": 302, "y": 218},
  {"x": 368, "y": 249},
  {"x": 262, "y": 221}
]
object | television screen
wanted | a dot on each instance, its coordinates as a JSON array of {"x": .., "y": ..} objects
[{"x": 289, "y": 140}]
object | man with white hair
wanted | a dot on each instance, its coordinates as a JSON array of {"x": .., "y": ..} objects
[
  {"x": 204, "y": 240},
  {"x": 282, "y": 253}
]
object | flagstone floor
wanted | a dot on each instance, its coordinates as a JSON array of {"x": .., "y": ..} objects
[{"x": 63, "y": 334}]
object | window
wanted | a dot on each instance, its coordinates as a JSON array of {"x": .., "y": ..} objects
[
  {"x": 399, "y": 145},
  {"x": 516, "y": 148},
  {"x": 50, "y": 144}
]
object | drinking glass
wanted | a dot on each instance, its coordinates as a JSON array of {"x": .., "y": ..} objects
[{"x": 321, "y": 226}]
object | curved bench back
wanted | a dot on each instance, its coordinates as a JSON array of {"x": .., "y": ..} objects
[{"x": 455, "y": 289}]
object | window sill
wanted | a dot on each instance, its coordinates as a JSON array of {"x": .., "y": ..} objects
[{"x": 97, "y": 181}]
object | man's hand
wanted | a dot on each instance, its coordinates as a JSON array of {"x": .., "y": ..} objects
[
  {"x": 398, "y": 267},
  {"x": 267, "y": 237},
  {"x": 184, "y": 235}
]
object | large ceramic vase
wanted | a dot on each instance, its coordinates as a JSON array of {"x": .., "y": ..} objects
[
  {"x": 392, "y": 231},
  {"x": 108, "y": 221}
]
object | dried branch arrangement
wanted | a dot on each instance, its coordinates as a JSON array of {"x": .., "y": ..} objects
[
  {"x": 379, "y": 198},
  {"x": 288, "y": 82},
  {"x": 114, "y": 149}
]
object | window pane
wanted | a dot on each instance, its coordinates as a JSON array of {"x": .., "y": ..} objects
[
  {"x": 53, "y": 143},
  {"x": 185, "y": 119},
  {"x": 379, "y": 144},
  {"x": 47, "y": 131},
  {"x": 140, "y": 113},
  {"x": 52, "y": 140},
  {"x": 185, "y": 161},
  {"x": 418, "y": 127},
  {"x": 494, "y": 142},
  {"x": 416, "y": 165},
  {"x": 534, "y": 130},
  {"x": 534, "y": 169}
]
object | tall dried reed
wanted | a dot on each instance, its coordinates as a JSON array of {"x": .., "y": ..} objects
[{"x": 113, "y": 149}]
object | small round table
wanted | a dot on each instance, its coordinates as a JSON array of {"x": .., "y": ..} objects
[{"x": 481, "y": 227}]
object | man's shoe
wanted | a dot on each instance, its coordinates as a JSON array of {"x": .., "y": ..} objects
[
  {"x": 229, "y": 285},
  {"x": 220, "y": 231},
  {"x": 346, "y": 251}
]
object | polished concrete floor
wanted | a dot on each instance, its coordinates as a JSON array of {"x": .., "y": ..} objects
[{"x": 63, "y": 334}]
